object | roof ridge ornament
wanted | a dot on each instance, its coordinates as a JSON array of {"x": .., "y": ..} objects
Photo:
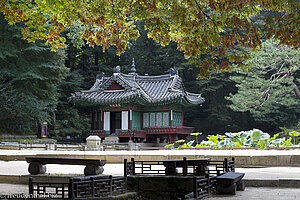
[
  {"x": 133, "y": 69},
  {"x": 117, "y": 70},
  {"x": 173, "y": 72},
  {"x": 100, "y": 76}
]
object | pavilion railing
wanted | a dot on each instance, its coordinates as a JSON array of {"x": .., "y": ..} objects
[
  {"x": 168, "y": 130},
  {"x": 203, "y": 187},
  {"x": 96, "y": 186},
  {"x": 214, "y": 168},
  {"x": 78, "y": 187},
  {"x": 144, "y": 167},
  {"x": 44, "y": 190},
  {"x": 128, "y": 132},
  {"x": 141, "y": 132},
  {"x": 118, "y": 132}
]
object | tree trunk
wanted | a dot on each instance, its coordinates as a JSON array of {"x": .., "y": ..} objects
[
  {"x": 54, "y": 119},
  {"x": 296, "y": 90}
]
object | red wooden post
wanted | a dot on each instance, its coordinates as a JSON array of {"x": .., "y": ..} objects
[
  {"x": 130, "y": 119},
  {"x": 97, "y": 120},
  {"x": 92, "y": 120},
  {"x": 102, "y": 120}
]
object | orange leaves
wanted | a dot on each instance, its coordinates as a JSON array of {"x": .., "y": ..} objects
[
  {"x": 221, "y": 52},
  {"x": 53, "y": 38},
  {"x": 201, "y": 28},
  {"x": 53, "y": 21},
  {"x": 287, "y": 29},
  {"x": 13, "y": 13},
  {"x": 88, "y": 35},
  {"x": 235, "y": 21},
  {"x": 212, "y": 4},
  {"x": 126, "y": 12},
  {"x": 228, "y": 41},
  {"x": 112, "y": 33},
  {"x": 225, "y": 65}
]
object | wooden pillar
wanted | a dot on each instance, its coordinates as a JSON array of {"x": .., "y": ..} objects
[
  {"x": 92, "y": 120},
  {"x": 97, "y": 120},
  {"x": 172, "y": 138},
  {"x": 171, "y": 118},
  {"x": 102, "y": 120},
  {"x": 130, "y": 120}
]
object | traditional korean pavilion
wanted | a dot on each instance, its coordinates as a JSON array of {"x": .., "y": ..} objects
[{"x": 135, "y": 107}]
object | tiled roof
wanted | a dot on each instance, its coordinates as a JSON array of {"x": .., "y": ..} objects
[{"x": 163, "y": 89}]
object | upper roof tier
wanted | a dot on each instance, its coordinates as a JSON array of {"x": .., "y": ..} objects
[{"x": 133, "y": 88}]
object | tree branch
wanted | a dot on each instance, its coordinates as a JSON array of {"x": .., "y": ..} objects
[
  {"x": 216, "y": 26},
  {"x": 296, "y": 90}
]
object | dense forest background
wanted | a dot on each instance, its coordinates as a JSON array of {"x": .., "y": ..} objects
[{"x": 35, "y": 84}]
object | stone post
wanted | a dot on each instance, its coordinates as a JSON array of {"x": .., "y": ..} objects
[{"x": 93, "y": 143}]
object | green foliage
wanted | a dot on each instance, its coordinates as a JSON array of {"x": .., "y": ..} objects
[
  {"x": 28, "y": 81},
  {"x": 290, "y": 134},
  {"x": 250, "y": 138},
  {"x": 266, "y": 90},
  {"x": 295, "y": 135}
]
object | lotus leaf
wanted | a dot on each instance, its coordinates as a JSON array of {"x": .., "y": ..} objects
[
  {"x": 184, "y": 146},
  {"x": 278, "y": 141},
  {"x": 233, "y": 134},
  {"x": 265, "y": 136},
  {"x": 169, "y": 145},
  {"x": 287, "y": 143},
  {"x": 225, "y": 143},
  {"x": 214, "y": 138},
  {"x": 274, "y": 136},
  {"x": 262, "y": 144},
  {"x": 190, "y": 143},
  {"x": 235, "y": 140},
  {"x": 237, "y": 144},
  {"x": 207, "y": 143},
  {"x": 196, "y": 134},
  {"x": 244, "y": 135},
  {"x": 294, "y": 134},
  {"x": 248, "y": 142},
  {"x": 256, "y": 134}
]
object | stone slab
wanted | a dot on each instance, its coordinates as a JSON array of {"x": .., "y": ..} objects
[{"x": 243, "y": 157}]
